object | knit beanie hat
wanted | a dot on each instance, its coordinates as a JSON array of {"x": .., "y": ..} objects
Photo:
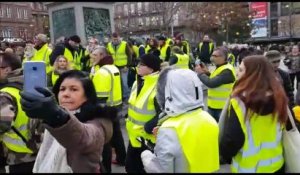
[
  {"x": 75, "y": 38},
  {"x": 151, "y": 61}
]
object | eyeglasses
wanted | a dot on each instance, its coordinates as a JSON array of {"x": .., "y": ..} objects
[
  {"x": 141, "y": 64},
  {"x": 276, "y": 61}
]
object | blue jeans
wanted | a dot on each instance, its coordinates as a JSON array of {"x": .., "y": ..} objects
[
  {"x": 215, "y": 113},
  {"x": 125, "y": 88}
]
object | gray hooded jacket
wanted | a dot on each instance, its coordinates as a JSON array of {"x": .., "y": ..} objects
[{"x": 179, "y": 91}]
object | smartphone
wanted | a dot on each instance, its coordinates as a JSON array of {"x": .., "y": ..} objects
[{"x": 34, "y": 75}]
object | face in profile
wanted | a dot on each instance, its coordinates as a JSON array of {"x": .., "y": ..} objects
[
  {"x": 143, "y": 70},
  {"x": 241, "y": 70},
  {"x": 71, "y": 94}
]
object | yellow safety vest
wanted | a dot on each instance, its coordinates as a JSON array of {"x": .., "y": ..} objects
[
  {"x": 163, "y": 52},
  {"x": 147, "y": 48},
  {"x": 54, "y": 78},
  {"x": 183, "y": 61},
  {"x": 198, "y": 134},
  {"x": 169, "y": 41},
  {"x": 119, "y": 55},
  {"x": 185, "y": 43},
  {"x": 70, "y": 58},
  {"x": 210, "y": 46},
  {"x": 217, "y": 97},
  {"x": 136, "y": 50},
  {"x": 77, "y": 60},
  {"x": 141, "y": 109},
  {"x": 231, "y": 57},
  {"x": 107, "y": 83},
  {"x": 10, "y": 139},
  {"x": 262, "y": 151},
  {"x": 43, "y": 55},
  {"x": 96, "y": 68}
]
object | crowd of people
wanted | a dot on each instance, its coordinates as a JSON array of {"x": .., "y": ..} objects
[{"x": 73, "y": 125}]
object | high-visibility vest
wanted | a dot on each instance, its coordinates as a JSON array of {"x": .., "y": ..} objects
[
  {"x": 169, "y": 41},
  {"x": 147, "y": 48},
  {"x": 185, "y": 43},
  {"x": 231, "y": 58},
  {"x": 43, "y": 55},
  {"x": 262, "y": 151},
  {"x": 68, "y": 54},
  {"x": 94, "y": 70},
  {"x": 54, "y": 78},
  {"x": 77, "y": 59},
  {"x": 182, "y": 61},
  {"x": 198, "y": 134},
  {"x": 107, "y": 83},
  {"x": 217, "y": 97},
  {"x": 141, "y": 109},
  {"x": 119, "y": 55},
  {"x": 10, "y": 139},
  {"x": 163, "y": 52},
  {"x": 211, "y": 45},
  {"x": 136, "y": 50}
]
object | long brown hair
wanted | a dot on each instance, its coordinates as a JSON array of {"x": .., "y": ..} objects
[{"x": 259, "y": 80}]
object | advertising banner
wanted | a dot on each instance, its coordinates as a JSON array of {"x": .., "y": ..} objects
[{"x": 259, "y": 21}]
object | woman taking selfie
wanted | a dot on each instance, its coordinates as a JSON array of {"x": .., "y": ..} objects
[
  {"x": 252, "y": 137},
  {"x": 76, "y": 127}
]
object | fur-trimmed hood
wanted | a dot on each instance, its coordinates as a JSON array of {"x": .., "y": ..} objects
[{"x": 179, "y": 91}]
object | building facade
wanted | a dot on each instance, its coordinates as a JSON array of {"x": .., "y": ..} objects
[
  {"x": 22, "y": 20},
  {"x": 283, "y": 23}
]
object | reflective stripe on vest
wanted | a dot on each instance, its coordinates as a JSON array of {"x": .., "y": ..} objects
[
  {"x": 77, "y": 59},
  {"x": 141, "y": 109},
  {"x": 119, "y": 55},
  {"x": 210, "y": 46},
  {"x": 202, "y": 149},
  {"x": 147, "y": 48},
  {"x": 266, "y": 156},
  {"x": 185, "y": 43},
  {"x": 182, "y": 61},
  {"x": 10, "y": 139},
  {"x": 217, "y": 97},
  {"x": 231, "y": 58},
  {"x": 111, "y": 101},
  {"x": 163, "y": 52}
]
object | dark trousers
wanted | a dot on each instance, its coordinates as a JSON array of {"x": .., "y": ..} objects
[
  {"x": 293, "y": 76},
  {"x": 134, "y": 162},
  {"x": 117, "y": 142},
  {"x": 215, "y": 113},
  {"x": 21, "y": 168}
]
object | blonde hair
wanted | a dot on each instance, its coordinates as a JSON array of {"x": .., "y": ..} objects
[{"x": 55, "y": 65}]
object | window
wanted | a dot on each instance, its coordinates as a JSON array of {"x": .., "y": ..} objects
[
  {"x": 141, "y": 23},
  {"x": 146, "y": 6},
  {"x": 274, "y": 27},
  {"x": 132, "y": 8},
  {"x": 296, "y": 7},
  {"x": 39, "y": 7},
  {"x": 125, "y": 9},
  {"x": 25, "y": 14},
  {"x": 285, "y": 8},
  {"x": 139, "y": 6},
  {"x": 32, "y": 5},
  {"x": 147, "y": 21},
  {"x": 8, "y": 12},
  {"x": 18, "y": 13},
  {"x": 1, "y": 12},
  {"x": 3, "y": 33},
  {"x": 274, "y": 9},
  {"x": 161, "y": 20}
]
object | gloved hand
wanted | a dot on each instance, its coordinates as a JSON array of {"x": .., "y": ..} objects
[{"x": 45, "y": 107}]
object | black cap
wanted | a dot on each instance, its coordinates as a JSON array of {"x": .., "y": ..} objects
[
  {"x": 75, "y": 38},
  {"x": 151, "y": 61},
  {"x": 162, "y": 38}
]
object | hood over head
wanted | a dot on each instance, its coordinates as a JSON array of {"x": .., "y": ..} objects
[{"x": 179, "y": 91}]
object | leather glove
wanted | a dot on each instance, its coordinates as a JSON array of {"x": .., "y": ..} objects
[{"x": 43, "y": 107}]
